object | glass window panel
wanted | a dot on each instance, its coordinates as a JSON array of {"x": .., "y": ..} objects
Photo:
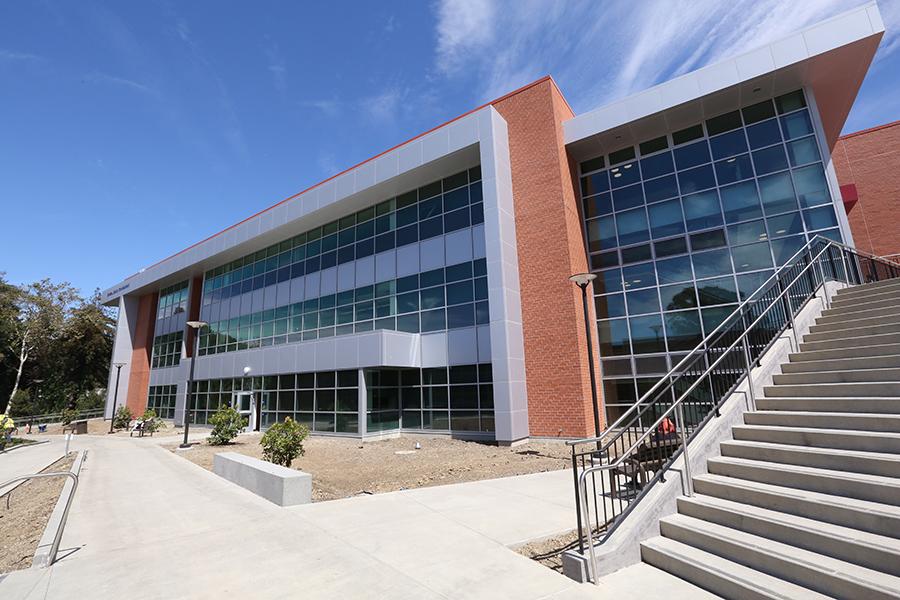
[
  {"x": 638, "y": 276},
  {"x": 433, "y": 320},
  {"x": 752, "y": 257},
  {"x": 729, "y": 144},
  {"x": 715, "y": 262},
  {"x": 432, "y": 298},
  {"x": 654, "y": 166},
  {"x": 617, "y": 366},
  {"x": 694, "y": 180},
  {"x": 642, "y": 301},
  {"x": 750, "y": 282},
  {"x": 632, "y": 226},
  {"x": 702, "y": 210},
  {"x": 686, "y": 135},
  {"x": 789, "y": 102},
  {"x": 777, "y": 193},
  {"x": 745, "y": 233},
  {"x": 796, "y": 125},
  {"x": 692, "y": 155},
  {"x": 612, "y": 337},
  {"x": 707, "y": 240},
  {"x": 785, "y": 248},
  {"x": 832, "y": 234},
  {"x": 670, "y": 247},
  {"x": 783, "y": 225},
  {"x": 621, "y": 155},
  {"x": 666, "y": 218},
  {"x": 769, "y": 160},
  {"x": 458, "y": 293},
  {"x": 461, "y": 315},
  {"x": 741, "y": 202},
  {"x": 636, "y": 254},
  {"x": 678, "y": 296},
  {"x": 647, "y": 334},
  {"x": 624, "y": 175},
  {"x": 598, "y": 205},
  {"x": 628, "y": 197},
  {"x": 764, "y": 134},
  {"x": 683, "y": 330},
  {"x": 654, "y": 145},
  {"x": 713, "y": 317},
  {"x": 673, "y": 270},
  {"x": 612, "y": 305},
  {"x": 717, "y": 291},
  {"x": 724, "y": 123},
  {"x": 758, "y": 112},
  {"x": 592, "y": 164},
  {"x": 803, "y": 151},
  {"x": 601, "y": 234},
  {"x": 812, "y": 189},
  {"x": 660, "y": 188},
  {"x": 734, "y": 169},
  {"x": 608, "y": 281},
  {"x": 820, "y": 218}
]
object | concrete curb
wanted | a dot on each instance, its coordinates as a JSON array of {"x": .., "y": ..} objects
[
  {"x": 20, "y": 446},
  {"x": 42, "y": 556}
]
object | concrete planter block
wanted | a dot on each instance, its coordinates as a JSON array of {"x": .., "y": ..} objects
[{"x": 277, "y": 484}]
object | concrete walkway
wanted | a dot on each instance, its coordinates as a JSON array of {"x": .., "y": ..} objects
[
  {"x": 28, "y": 460},
  {"x": 147, "y": 524}
]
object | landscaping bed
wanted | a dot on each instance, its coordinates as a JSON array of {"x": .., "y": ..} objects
[
  {"x": 29, "y": 510},
  {"x": 345, "y": 467}
]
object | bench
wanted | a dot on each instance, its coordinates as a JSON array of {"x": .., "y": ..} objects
[
  {"x": 650, "y": 456},
  {"x": 138, "y": 427},
  {"x": 78, "y": 427},
  {"x": 277, "y": 484}
]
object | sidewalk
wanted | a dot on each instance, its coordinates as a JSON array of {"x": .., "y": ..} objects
[{"x": 30, "y": 459}]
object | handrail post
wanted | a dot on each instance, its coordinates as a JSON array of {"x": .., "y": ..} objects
[
  {"x": 789, "y": 309},
  {"x": 577, "y": 501},
  {"x": 824, "y": 287},
  {"x": 749, "y": 364},
  {"x": 592, "y": 563},
  {"x": 681, "y": 426},
  {"x": 844, "y": 266}
]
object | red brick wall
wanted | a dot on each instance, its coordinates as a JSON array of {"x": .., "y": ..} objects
[
  {"x": 550, "y": 248},
  {"x": 870, "y": 159},
  {"x": 142, "y": 347}
]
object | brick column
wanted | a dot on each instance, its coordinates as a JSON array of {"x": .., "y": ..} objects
[{"x": 142, "y": 347}]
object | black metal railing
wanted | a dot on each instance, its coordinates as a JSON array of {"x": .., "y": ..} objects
[{"x": 614, "y": 470}]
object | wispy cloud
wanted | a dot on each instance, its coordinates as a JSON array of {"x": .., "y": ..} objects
[
  {"x": 600, "y": 51},
  {"x": 277, "y": 67},
  {"x": 97, "y": 77},
  {"x": 385, "y": 105},
  {"x": 12, "y": 56},
  {"x": 328, "y": 107}
]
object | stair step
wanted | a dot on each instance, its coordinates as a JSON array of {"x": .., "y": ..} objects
[
  {"x": 839, "y": 439},
  {"x": 870, "y": 463},
  {"x": 825, "y": 420},
  {"x": 873, "y": 350},
  {"x": 869, "y": 389},
  {"x": 873, "y": 517},
  {"x": 719, "y": 575},
  {"x": 854, "y": 341},
  {"x": 862, "y": 331},
  {"x": 887, "y": 406},
  {"x": 808, "y": 569},
  {"x": 863, "y": 307},
  {"x": 847, "y": 376},
  {"x": 868, "y": 550},
  {"x": 889, "y": 361},
  {"x": 892, "y": 293},
  {"x": 849, "y": 316},
  {"x": 892, "y": 319},
  {"x": 884, "y": 490},
  {"x": 860, "y": 291}
]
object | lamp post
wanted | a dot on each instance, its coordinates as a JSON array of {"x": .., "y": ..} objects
[
  {"x": 112, "y": 416},
  {"x": 583, "y": 280},
  {"x": 196, "y": 326}
]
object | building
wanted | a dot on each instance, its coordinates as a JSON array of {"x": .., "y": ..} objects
[
  {"x": 426, "y": 289},
  {"x": 866, "y": 163}
]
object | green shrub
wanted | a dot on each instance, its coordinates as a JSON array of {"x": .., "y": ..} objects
[
  {"x": 227, "y": 423},
  {"x": 123, "y": 418},
  {"x": 283, "y": 442},
  {"x": 68, "y": 415},
  {"x": 90, "y": 400},
  {"x": 152, "y": 423}
]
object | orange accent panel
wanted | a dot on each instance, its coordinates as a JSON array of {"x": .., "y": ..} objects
[
  {"x": 550, "y": 246},
  {"x": 142, "y": 347}
]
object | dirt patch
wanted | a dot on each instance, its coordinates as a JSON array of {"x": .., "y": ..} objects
[
  {"x": 98, "y": 426},
  {"x": 549, "y": 551},
  {"x": 344, "y": 467},
  {"x": 29, "y": 510}
]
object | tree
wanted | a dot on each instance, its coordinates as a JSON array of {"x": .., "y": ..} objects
[{"x": 42, "y": 308}]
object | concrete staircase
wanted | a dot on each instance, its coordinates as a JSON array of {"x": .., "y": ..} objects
[{"x": 804, "y": 502}]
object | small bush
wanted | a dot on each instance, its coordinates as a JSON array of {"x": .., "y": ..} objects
[
  {"x": 123, "y": 418},
  {"x": 68, "y": 415},
  {"x": 152, "y": 423},
  {"x": 90, "y": 400},
  {"x": 283, "y": 442},
  {"x": 227, "y": 424}
]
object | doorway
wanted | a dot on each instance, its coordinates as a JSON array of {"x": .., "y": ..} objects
[{"x": 245, "y": 403}]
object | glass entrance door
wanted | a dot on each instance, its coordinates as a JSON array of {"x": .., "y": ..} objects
[{"x": 245, "y": 405}]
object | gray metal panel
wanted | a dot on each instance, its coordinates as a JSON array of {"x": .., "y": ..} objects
[
  {"x": 458, "y": 246},
  {"x": 407, "y": 260},
  {"x": 346, "y": 277},
  {"x": 431, "y": 254},
  {"x": 385, "y": 265},
  {"x": 434, "y": 349},
  {"x": 365, "y": 271},
  {"x": 329, "y": 281},
  {"x": 462, "y": 346}
]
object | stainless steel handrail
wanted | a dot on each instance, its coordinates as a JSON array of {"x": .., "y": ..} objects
[
  {"x": 54, "y": 548},
  {"x": 680, "y": 424}
]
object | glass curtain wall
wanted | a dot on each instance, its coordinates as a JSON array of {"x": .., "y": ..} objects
[{"x": 680, "y": 228}]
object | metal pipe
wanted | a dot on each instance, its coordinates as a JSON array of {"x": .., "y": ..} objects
[
  {"x": 681, "y": 426},
  {"x": 749, "y": 364},
  {"x": 592, "y": 563}
]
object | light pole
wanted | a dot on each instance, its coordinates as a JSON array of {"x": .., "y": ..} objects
[
  {"x": 197, "y": 326},
  {"x": 583, "y": 280},
  {"x": 112, "y": 416}
]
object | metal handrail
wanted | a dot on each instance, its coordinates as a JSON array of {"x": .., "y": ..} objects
[
  {"x": 54, "y": 548},
  {"x": 677, "y": 372},
  {"x": 51, "y": 417}
]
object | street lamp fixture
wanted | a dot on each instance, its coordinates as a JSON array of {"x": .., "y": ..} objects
[
  {"x": 197, "y": 326},
  {"x": 112, "y": 416},
  {"x": 583, "y": 280}
]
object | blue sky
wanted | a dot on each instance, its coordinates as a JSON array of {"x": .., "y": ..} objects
[{"x": 130, "y": 130}]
